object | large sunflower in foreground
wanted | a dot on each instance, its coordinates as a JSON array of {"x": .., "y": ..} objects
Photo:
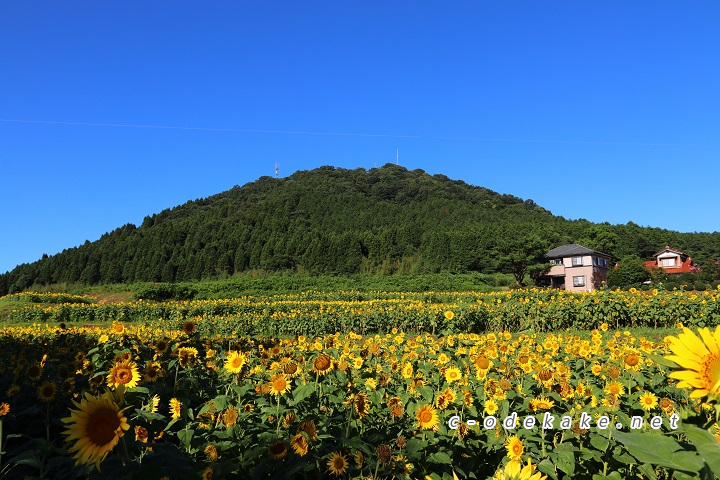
[
  {"x": 700, "y": 358},
  {"x": 96, "y": 427}
]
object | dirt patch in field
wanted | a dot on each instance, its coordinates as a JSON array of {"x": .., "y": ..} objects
[{"x": 107, "y": 297}]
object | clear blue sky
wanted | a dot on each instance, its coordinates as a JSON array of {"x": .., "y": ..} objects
[{"x": 604, "y": 110}]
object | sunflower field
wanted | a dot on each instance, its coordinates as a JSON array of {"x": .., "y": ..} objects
[{"x": 427, "y": 391}]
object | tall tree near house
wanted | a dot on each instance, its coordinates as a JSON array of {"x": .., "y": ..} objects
[
  {"x": 518, "y": 254},
  {"x": 630, "y": 271}
]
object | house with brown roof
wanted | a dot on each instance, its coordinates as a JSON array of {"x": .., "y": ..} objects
[
  {"x": 673, "y": 261},
  {"x": 577, "y": 268}
]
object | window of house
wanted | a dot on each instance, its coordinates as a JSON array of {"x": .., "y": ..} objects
[
  {"x": 576, "y": 261},
  {"x": 579, "y": 281},
  {"x": 668, "y": 262}
]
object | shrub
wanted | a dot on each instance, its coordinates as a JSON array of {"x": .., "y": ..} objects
[{"x": 700, "y": 286}]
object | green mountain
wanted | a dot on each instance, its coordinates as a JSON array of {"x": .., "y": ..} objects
[{"x": 333, "y": 220}]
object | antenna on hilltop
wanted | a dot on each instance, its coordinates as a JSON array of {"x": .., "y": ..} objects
[
  {"x": 397, "y": 156},
  {"x": 277, "y": 167}
]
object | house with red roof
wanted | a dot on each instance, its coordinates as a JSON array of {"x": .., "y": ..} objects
[{"x": 673, "y": 261}]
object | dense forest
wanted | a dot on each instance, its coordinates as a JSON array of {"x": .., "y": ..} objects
[{"x": 338, "y": 221}]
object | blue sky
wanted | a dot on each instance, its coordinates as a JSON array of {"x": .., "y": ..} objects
[{"x": 603, "y": 110}]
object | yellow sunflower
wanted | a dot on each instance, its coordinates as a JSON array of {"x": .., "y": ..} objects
[
  {"x": 279, "y": 384},
  {"x": 123, "y": 373},
  {"x": 407, "y": 370},
  {"x": 96, "y": 426},
  {"x": 337, "y": 464},
  {"x": 235, "y": 362},
  {"x": 453, "y": 374},
  {"x": 542, "y": 403},
  {"x": 514, "y": 447},
  {"x": 175, "y": 408},
  {"x": 427, "y": 417},
  {"x": 491, "y": 407},
  {"x": 699, "y": 358},
  {"x": 4, "y": 409},
  {"x": 449, "y": 315},
  {"x": 615, "y": 388},
  {"x": 299, "y": 444},
  {"x": 648, "y": 401}
]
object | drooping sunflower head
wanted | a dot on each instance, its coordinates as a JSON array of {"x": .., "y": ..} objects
[
  {"x": 542, "y": 403},
  {"x": 308, "y": 426},
  {"x": 300, "y": 444},
  {"x": 153, "y": 371},
  {"x": 230, "y": 417},
  {"x": 187, "y": 356},
  {"x": 96, "y": 428},
  {"x": 123, "y": 373},
  {"x": 322, "y": 364},
  {"x": 362, "y": 404},
  {"x": 175, "y": 408},
  {"x": 278, "y": 449},
  {"x": 291, "y": 369}
]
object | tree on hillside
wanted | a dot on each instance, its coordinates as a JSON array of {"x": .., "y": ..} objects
[
  {"x": 517, "y": 255},
  {"x": 629, "y": 271}
]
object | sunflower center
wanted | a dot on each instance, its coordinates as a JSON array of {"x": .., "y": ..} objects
[
  {"x": 102, "y": 426},
  {"x": 123, "y": 376},
  {"x": 710, "y": 372},
  {"x": 237, "y": 362},
  {"x": 426, "y": 416}
]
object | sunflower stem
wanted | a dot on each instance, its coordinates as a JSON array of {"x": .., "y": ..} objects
[{"x": 278, "y": 415}]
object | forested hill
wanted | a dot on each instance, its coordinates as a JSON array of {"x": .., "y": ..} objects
[{"x": 333, "y": 220}]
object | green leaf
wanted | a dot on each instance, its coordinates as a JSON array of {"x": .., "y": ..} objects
[
  {"x": 565, "y": 461},
  {"x": 185, "y": 436},
  {"x": 302, "y": 392},
  {"x": 707, "y": 446},
  {"x": 660, "y": 450},
  {"x": 660, "y": 360},
  {"x": 427, "y": 393},
  {"x": 440, "y": 457},
  {"x": 599, "y": 442},
  {"x": 548, "y": 468},
  {"x": 413, "y": 447},
  {"x": 648, "y": 470}
]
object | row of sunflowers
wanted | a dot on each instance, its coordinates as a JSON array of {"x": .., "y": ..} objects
[
  {"x": 323, "y": 313},
  {"x": 136, "y": 401}
]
